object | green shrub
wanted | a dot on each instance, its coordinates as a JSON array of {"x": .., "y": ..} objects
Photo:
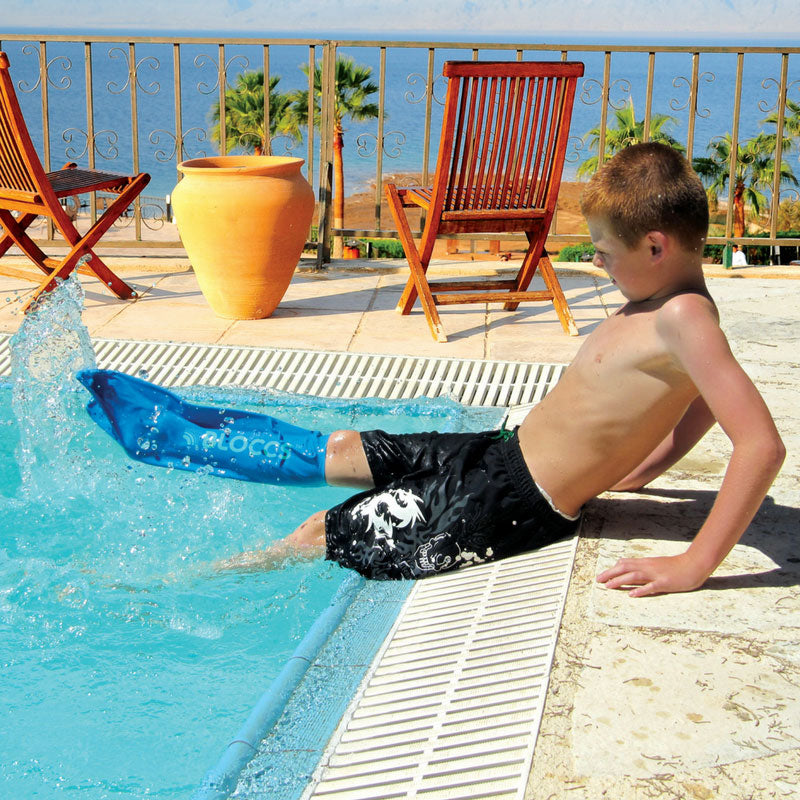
[
  {"x": 383, "y": 248},
  {"x": 713, "y": 253},
  {"x": 577, "y": 252}
]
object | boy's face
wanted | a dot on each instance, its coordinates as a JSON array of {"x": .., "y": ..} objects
[{"x": 628, "y": 268}]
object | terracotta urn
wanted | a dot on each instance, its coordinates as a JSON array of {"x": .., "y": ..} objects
[{"x": 243, "y": 221}]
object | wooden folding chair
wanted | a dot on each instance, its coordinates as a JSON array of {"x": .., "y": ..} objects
[
  {"x": 25, "y": 188},
  {"x": 501, "y": 154}
]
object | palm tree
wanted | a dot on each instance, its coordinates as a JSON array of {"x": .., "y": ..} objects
[
  {"x": 753, "y": 174},
  {"x": 627, "y": 131},
  {"x": 791, "y": 121},
  {"x": 244, "y": 113},
  {"x": 352, "y": 99}
]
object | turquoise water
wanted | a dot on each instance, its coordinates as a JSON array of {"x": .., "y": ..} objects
[{"x": 127, "y": 661}]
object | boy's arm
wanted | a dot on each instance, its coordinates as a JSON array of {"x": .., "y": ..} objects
[
  {"x": 691, "y": 332},
  {"x": 694, "y": 424}
]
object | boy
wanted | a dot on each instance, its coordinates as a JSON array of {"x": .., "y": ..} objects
[{"x": 645, "y": 386}]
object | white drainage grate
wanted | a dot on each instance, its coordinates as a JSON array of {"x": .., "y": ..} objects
[
  {"x": 452, "y": 704},
  {"x": 325, "y": 374}
]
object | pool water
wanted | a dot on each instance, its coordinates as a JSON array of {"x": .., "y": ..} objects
[{"x": 126, "y": 660}]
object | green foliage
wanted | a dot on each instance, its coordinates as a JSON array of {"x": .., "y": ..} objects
[
  {"x": 577, "y": 252},
  {"x": 244, "y": 113},
  {"x": 626, "y": 131},
  {"x": 753, "y": 173},
  {"x": 384, "y": 248},
  {"x": 353, "y": 89},
  {"x": 713, "y": 253}
]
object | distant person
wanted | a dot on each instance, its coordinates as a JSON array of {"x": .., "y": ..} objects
[
  {"x": 739, "y": 257},
  {"x": 645, "y": 386}
]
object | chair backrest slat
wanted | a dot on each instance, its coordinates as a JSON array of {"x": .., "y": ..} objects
[
  {"x": 511, "y": 150},
  {"x": 20, "y": 169},
  {"x": 547, "y": 164},
  {"x": 505, "y": 134},
  {"x": 544, "y": 88},
  {"x": 13, "y": 171}
]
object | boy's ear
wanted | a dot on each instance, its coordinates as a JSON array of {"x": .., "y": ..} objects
[{"x": 658, "y": 243}]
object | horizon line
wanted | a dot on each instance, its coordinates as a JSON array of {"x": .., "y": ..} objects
[{"x": 505, "y": 37}]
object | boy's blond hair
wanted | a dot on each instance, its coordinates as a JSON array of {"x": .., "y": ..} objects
[{"x": 649, "y": 187}]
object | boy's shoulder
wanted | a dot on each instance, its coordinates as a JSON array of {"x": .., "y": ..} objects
[{"x": 686, "y": 312}]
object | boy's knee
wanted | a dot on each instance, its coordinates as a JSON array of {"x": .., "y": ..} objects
[
  {"x": 343, "y": 440},
  {"x": 345, "y": 461},
  {"x": 310, "y": 533}
]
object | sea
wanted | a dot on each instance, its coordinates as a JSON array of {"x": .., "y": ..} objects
[{"x": 153, "y": 103}]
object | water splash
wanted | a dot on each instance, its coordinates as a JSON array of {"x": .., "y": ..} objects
[{"x": 51, "y": 344}]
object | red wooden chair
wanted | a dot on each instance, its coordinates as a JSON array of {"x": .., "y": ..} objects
[
  {"x": 25, "y": 188},
  {"x": 501, "y": 154}
]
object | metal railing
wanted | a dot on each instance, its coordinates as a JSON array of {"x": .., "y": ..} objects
[{"x": 144, "y": 104}]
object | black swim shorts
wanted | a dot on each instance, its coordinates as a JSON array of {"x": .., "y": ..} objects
[{"x": 440, "y": 502}]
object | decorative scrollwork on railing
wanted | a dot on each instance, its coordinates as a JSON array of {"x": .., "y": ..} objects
[
  {"x": 133, "y": 72},
  {"x": 64, "y": 82},
  {"x": 163, "y": 155},
  {"x": 288, "y": 143},
  {"x": 587, "y": 87},
  {"x": 680, "y": 80},
  {"x": 153, "y": 212},
  {"x": 576, "y": 142},
  {"x": 203, "y": 59},
  {"x": 111, "y": 139},
  {"x": 124, "y": 220},
  {"x": 415, "y": 78},
  {"x": 766, "y": 84},
  {"x": 367, "y": 144},
  {"x": 592, "y": 85},
  {"x": 625, "y": 87}
]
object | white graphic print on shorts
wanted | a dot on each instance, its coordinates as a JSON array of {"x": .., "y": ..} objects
[{"x": 393, "y": 508}]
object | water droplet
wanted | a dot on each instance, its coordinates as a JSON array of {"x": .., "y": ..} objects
[{"x": 143, "y": 374}]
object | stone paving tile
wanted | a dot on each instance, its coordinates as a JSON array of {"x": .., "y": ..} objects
[
  {"x": 335, "y": 293},
  {"x": 296, "y": 328},
  {"x": 383, "y": 330}
]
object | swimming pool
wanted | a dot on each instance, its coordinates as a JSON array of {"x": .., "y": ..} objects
[{"x": 128, "y": 662}]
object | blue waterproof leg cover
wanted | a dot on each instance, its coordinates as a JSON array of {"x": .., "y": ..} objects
[{"x": 157, "y": 427}]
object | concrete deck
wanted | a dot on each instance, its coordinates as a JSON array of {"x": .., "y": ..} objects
[{"x": 685, "y": 696}]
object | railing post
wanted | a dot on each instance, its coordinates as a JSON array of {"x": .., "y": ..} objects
[{"x": 328, "y": 89}]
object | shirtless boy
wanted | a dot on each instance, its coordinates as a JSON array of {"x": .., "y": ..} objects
[{"x": 644, "y": 388}]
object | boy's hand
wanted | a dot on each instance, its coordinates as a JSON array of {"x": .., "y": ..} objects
[{"x": 657, "y": 575}]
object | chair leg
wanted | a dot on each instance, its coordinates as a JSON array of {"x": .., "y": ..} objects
[
  {"x": 527, "y": 270},
  {"x": 22, "y": 222},
  {"x": 15, "y": 235},
  {"x": 559, "y": 300},
  {"x": 82, "y": 245},
  {"x": 417, "y": 284},
  {"x": 545, "y": 267}
]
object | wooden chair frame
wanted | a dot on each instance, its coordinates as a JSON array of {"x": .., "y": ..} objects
[
  {"x": 501, "y": 155},
  {"x": 25, "y": 188}
]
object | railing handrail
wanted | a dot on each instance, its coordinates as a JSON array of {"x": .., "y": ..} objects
[{"x": 441, "y": 44}]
